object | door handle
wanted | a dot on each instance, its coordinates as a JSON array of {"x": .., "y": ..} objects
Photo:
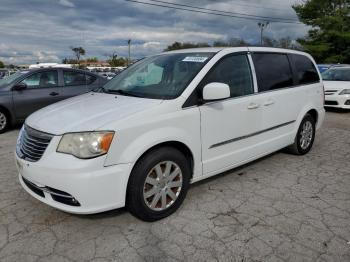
[
  {"x": 269, "y": 102},
  {"x": 253, "y": 106},
  {"x": 54, "y": 94}
]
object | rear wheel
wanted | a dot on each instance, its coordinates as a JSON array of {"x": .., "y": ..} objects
[
  {"x": 4, "y": 121},
  {"x": 158, "y": 184},
  {"x": 305, "y": 137}
]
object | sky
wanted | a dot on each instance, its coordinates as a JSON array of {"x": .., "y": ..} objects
[{"x": 44, "y": 30}]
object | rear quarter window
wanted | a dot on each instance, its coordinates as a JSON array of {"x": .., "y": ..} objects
[
  {"x": 305, "y": 70},
  {"x": 273, "y": 71},
  {"x": 90, "y": 79},
  {"x": 72, "y": 78}
]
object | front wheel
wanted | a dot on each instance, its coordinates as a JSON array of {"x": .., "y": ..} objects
[
  {"x": 305, "y": 137},
  {"x": 158, "y": 184},
  {"x": 4, "y": 121}
]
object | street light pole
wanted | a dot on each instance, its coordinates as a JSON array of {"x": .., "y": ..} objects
[
  {"x": 262, "y": 26},
  {"x": 129, "y": 44}
]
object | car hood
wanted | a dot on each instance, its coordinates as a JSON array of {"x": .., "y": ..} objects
[
  {"x": 87, "y": 112},
  {"x": 336, "y": 85}
]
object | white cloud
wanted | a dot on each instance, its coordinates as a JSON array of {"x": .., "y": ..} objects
[
  {"x": 103, "y": 27},
  {"x": 66, "y": 3}
]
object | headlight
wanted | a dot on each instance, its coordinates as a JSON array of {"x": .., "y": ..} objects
[
  {"x": 85, "y": 145},
  {"x": 345, "y": 92}
]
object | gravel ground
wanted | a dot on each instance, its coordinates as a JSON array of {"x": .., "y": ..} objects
[{"x": 280, "y": 208}]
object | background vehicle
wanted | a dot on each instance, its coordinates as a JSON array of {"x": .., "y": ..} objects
[
  {"x": 166, "y": 121},
  {"x": 108, "y": 75},
  {"x": 4, "y": 73},
  {"x": 337, "y": 87},
  {"x": 325, "y": 67},
  {"x": 27, "y": 91}
]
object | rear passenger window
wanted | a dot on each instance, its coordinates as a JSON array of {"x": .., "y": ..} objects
[
  {"x": 305, "y": 70},
  {"x": 273, "y": 71},
  {"x": 72, "y": 78},
  {"x": 235, "y": 72},
  {"x": 90, "y": 79}
]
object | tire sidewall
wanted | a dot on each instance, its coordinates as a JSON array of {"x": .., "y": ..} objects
[
  {"x": 307, "y": 118},
  {"x": 7, "y": 122},
  {"x": 135, "y": 200}
]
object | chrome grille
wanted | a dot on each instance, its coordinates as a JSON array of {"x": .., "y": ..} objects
[
  {"x": 330, "y": 92},
  {"x": 32, "y": 143}
]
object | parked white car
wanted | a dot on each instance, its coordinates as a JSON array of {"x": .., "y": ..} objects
[
  {"x": 337, "y": 87},
  {"x": 165, "y": 122}
]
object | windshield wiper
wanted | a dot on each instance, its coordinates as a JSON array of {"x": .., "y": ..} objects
[
  {"x": 121, "y": 92},
  {"x": 99, "y": 89}
]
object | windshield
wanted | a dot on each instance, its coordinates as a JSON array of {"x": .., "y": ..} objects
[
  {"x": 160, "y": 77},
  {"x": 9, "y": 79},
  {"x": 337, "y": 74}
]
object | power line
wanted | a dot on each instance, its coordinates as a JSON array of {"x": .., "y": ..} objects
[
  {"x": 256, "y": 18},
  {"x": 264, "y": 7},
  {"x": 221, "y": 11}
]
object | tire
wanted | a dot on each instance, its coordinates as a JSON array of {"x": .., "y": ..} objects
[
  {"x": 145, "y": 199},
  {"x": 4, "y": 121},
  {"x": 303, "y": 143}
]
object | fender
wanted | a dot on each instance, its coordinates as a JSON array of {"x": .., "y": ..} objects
[
  {"x": 137, "y": 147},
  {"x": 303, "y": 112}
]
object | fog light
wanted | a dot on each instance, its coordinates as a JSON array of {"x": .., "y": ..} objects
[{"x": 347, "y": 102}]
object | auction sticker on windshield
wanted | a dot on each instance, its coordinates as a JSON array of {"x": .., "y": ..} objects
[{"x": 196, "y": 59}]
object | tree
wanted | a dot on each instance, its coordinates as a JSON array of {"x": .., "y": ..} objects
[
  {"x": 1, "y": 64},
  {"x": 284, "y": 42},
  {"x": 233, "y": 42},
  {"x": 115, "y": 61},
  {"x": 78, "y": 52},
  {"x": 269, "y": 42},
  {"x": 329, "y": 37},
  {"x": 92, "y": 59},
  {"x": 186, "y": 45}
]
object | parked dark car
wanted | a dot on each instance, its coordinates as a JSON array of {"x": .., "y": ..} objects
[{"x": 27, "y": 91}]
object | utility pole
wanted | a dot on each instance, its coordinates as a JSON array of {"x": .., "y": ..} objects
[
  {"x": 262, "y": 26},
  {"x": 129, "y": 44}
]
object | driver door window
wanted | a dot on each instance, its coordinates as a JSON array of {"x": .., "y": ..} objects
[
  {"x": 42, "y": 79},
  {"x": 235, "y": 72}
]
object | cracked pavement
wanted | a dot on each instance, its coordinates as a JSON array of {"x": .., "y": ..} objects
[{"x": 279, "y": 208}]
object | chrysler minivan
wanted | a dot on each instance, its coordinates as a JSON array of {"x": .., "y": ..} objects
[{"x": 167, "y": 121}]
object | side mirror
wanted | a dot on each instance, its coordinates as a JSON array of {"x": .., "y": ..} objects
[
  {"x": 216, "y": 91},
  {"x": 19, "y": 87}
]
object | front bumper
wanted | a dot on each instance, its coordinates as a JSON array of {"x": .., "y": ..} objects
[
  {"x": 337, "y": 101},
  {"x": 95, "y": 187}
]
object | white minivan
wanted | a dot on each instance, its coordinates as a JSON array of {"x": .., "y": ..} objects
[{"x": 165, "y": 122}]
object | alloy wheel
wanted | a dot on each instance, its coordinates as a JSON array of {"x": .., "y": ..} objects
[
  {"x": 162, "y": 185},
  {"x": 3, "y": 121},
  {"x": 306, "y": 135}
]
